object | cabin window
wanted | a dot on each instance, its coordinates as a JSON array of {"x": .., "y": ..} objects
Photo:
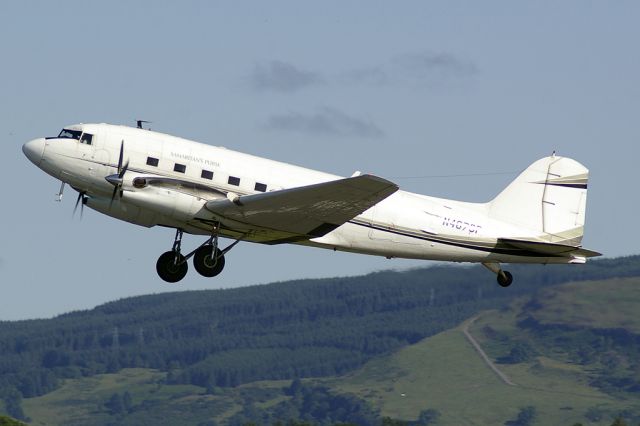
[
  {"x": 152, "y": 161},
  {"x": 69, "y": 134},
  {"x": 86, "y": 138},
  {"x": 260, "y": 187},
  {"x": 180, "y": 168},
  {"x": 207, "y": 174},
  {"x": 234, "y": 180}
]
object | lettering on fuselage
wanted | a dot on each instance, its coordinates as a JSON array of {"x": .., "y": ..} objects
[
  {"x": 461, "y": 225},
  {"x": 195, "y": 159}
]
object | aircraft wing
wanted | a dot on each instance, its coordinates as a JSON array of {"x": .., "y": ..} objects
[{"x": 304, "y": 212}]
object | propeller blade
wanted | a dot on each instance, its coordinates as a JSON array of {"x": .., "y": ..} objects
[
  {"x": 124, "y": 169},
  {"x": 82, "y": 200},
  {"x": 116, "y": 179},
  {"x": 75, "y": 208},
  {"x": 121, "y": 156},
  {"x": 113, "y": 196}
]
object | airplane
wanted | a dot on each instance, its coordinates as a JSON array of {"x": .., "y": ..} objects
[{"x": 151, "y": 179}]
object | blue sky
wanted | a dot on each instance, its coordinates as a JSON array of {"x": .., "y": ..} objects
[{"x": 411, "y": 91}]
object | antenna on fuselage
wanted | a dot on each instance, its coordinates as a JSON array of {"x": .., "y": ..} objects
[{"x": 139, "y": 123}]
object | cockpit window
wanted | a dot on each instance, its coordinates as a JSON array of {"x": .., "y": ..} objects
[
  {"x": 86, "y": 138},
  {"x": 70, "y": 134}
]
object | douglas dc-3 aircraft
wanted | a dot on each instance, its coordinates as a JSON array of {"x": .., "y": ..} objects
[{"x": 150, "y": 178}]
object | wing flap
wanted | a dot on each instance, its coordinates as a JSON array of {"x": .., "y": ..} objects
[{"x": 310, "y": 211}]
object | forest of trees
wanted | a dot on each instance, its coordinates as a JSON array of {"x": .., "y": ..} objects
[
  {"x": 283, "y": 330},
  {"x": 317, "y": 405},
  {"x": 313, "y": 404}
]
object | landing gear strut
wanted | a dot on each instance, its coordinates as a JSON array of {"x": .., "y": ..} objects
[
  {"x": 504, "y": 277},
  {"x": 172, "y": 265},
  {"x": 208, "y": 259}
]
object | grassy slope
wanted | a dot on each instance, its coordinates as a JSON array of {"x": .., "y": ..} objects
[
  {"x": 8, "y": 421},
  {"x": 81, "y": 401},
  {"x": 595, "y": 304},
  {"x": 613, "y": 303},
  {"x": 445, "y": 373}
]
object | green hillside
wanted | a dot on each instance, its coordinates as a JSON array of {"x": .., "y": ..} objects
[
  {"x": 85, "y": 401},
  {"x": 573, "y": 340},
  {"x": 445, "y": 373},
  {"x": 442, "y": 373},
  {"x": 8, "y": 421},
  {"x": 602, "y": 304},
  {"x": 230, "y": 355}
]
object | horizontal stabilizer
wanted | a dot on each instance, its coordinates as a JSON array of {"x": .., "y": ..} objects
[
  {"x": 307, "y": 211},
  {"x": 549, "y": 249}
]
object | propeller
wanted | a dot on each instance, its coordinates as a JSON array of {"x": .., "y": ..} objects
[
  {"x": 81, "y": 196},
  {"x": 116, "y": 179}
]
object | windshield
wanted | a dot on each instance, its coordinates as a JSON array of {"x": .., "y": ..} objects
[{"x": 70, "y": 134}]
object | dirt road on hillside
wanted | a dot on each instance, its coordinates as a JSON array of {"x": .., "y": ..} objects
[{"x": 483, "y": 355}]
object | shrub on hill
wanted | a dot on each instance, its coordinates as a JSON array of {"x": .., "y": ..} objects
[
  {"x": 8, "y": 421},
  {"x": 313, "y": 404}
]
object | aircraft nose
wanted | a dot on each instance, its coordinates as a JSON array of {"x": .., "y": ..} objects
[{"x": 34, "y": 150}]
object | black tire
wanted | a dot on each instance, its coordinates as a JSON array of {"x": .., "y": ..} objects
[
  {"x": 205, "y": 265},
  {"x": 171, "y": 268},
  {"x": 507, "y": 280}
]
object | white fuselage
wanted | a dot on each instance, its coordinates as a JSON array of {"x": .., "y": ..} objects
[{"x": 404, "y": 225}]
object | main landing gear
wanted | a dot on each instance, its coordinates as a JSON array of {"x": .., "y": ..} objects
[
  {"x": 504, "y": 277},
  {"x": 208, "y": 259}
]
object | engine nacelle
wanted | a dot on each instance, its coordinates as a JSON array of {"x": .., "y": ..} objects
[
  {"x": 149, "y": 206},
  {"x": 123, "y": 211},
  {"x": 164, "y": 202}
]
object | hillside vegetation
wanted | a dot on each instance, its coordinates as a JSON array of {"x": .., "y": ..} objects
[
  {"x": 222, "y": 338},
  {"x": 597, "y": 328},
  {"x": 611, "y": 304},
  {"x": 8, "y": 421},
  {"x": 444, "y": 373},
  {"x": 438, "y": 380},
  {"x": 574, "y": 342}
]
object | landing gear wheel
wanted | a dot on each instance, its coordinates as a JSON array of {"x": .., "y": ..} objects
[
  {"x": 506, "y": 279},
  {"x": 172, "y": 266},
  {"x": 205, "y": 264}
]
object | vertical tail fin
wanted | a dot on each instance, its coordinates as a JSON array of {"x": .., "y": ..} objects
[{"x": 548, "y": 198}]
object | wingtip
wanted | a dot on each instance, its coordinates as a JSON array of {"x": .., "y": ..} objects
[
  {"x": 582, "y": 252},
  {"x": 370, "y": 176}
]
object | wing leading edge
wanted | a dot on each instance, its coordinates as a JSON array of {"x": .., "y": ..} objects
[{"x": 304, "y": 212}]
